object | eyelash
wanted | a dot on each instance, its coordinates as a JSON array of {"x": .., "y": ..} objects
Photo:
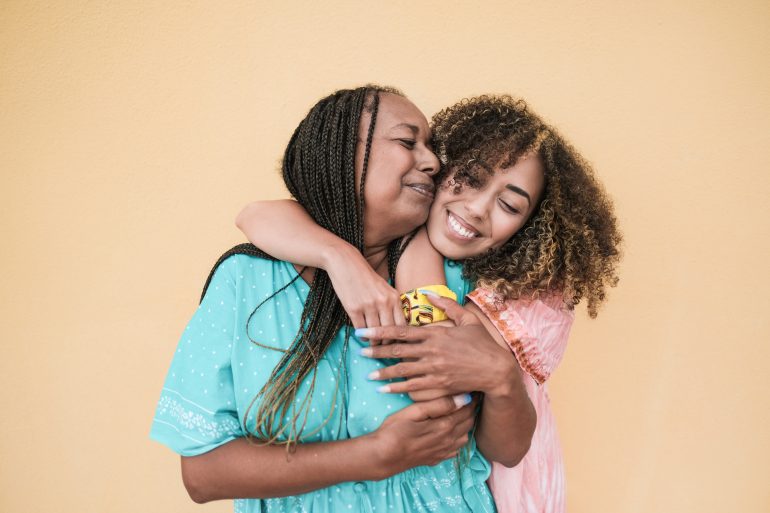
[
  {"x": 409, "y": 143},
  {"x": 508, "y": 208}
]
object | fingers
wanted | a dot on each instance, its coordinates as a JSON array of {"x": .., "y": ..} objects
[
  {"x": 372, "y": 318},
  {"x": 433, "y": 409},
  {"x": 409, "y": 386},
  {"x": 400, "y": 370},
  {"x": 386, "y": 319},
  {"x": 427, "y": 394},
  {"x": 453, "y": 310},
  {"x": 379, "y": 313},
  {"x": 465, "y": 421},
  {"x": 393, "y": 350},
  {"x": 398, "y": 320},
  {"x": 398, "y": 315},
  {"x": 357, "y": 319},
  {"x": 407, "y": 333}
]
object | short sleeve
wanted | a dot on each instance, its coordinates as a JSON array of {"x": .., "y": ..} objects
[
  {"x": 197, "y": 409},
  {"x": 536, "y": 330}
]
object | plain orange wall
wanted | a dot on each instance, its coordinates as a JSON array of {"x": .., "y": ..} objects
[{"x": 132, "y": 132}]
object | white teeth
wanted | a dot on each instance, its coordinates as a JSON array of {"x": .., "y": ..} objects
[{"x": 460, "y": 229}]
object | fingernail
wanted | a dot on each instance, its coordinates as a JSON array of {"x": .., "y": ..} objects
[
  {"x": 429, "y": 293},
  {"x": 374, "y": 375},
  {"x": 363, "y": 332},
  {"x": 462, "y": 399},
  {"x": 365, "y": 351},
  {"x": 384, "y": 389}
]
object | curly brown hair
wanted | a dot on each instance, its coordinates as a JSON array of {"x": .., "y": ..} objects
[{"x": 570, "y": 244}]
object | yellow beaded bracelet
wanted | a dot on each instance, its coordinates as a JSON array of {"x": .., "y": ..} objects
[{"x": 418, "y": 311}]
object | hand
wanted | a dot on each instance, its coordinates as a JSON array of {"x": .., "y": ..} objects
[
  {"x": 453, "y": 360},
  {"x": 427, "y": 395},
  {"x": 425, "y": 433},
  {"x": 367, "y": 298}
]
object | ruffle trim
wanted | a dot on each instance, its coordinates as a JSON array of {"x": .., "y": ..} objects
[{"x": 525, "y": 345}]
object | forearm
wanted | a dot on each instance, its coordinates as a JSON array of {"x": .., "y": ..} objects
[
  {"x": 240, "y": 469},
  {"x": 506, "y": 424},
  {"x": 277, "y": 226},
  {"x": 507, "y": 420}
]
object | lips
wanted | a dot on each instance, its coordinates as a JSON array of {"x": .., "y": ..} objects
[
  {"x": 426, "y": 189},
  {"x": 460, "y": 228}
]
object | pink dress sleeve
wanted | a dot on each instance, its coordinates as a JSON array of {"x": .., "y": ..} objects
[
  {"x": 537, "y": 333},
  {"x": 536, "y": 330}
]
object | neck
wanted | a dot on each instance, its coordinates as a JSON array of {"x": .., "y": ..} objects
[{"x": 377, "y": 256}]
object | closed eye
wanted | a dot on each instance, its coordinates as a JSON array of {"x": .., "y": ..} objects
[
  {"x": 408, "y": 143},
  {"x": 508, "y": 208}
]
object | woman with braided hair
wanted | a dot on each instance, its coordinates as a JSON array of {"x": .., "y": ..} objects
[
  {"x": 533, "y": 228},
  {"x": 258, "y": 399}
]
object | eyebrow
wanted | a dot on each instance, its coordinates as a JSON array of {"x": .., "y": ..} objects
[
  {"x": 413, "y": 128},
  {"x": 519, "y": 191}
]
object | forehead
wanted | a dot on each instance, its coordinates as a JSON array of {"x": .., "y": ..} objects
[
  {"x": 526, "y": 178},
  {"x": 395, "y": 110}
]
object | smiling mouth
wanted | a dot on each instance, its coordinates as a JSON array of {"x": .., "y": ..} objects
[
  {"x": 422, "y": 188},
  {"x": 459, "y": 227}
]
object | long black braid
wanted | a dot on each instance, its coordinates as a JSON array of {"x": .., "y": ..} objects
[{"x": 319, "y": 171}]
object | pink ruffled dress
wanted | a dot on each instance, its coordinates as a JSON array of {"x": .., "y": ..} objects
[{"x": 537, "y": 333}]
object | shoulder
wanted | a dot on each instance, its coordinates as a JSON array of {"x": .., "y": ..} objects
[
  {"x": 537, "y": 329},
  {"x": 242, "y": 262}
]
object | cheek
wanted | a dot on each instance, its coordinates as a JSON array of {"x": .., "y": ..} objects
[
  {"x": 436, "y": 207},
  {"x": 504, "y": 227}
]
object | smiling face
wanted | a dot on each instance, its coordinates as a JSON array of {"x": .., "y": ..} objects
[
  {"x": 398, "y": 187},
  {"x": 473, "y": 221}
]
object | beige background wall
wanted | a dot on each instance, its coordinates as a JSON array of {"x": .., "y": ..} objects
[{"x": 132, "y": 132}]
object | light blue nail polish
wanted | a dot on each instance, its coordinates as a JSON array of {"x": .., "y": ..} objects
[
  {"x": 427, "y": 292},
  {"x": 467, "y": 398},
  {"x": 384, "y": 389},
  {"x": 362, "y": 332}
]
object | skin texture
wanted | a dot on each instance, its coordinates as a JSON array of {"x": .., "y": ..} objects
[{"x": 490, "y": 214}]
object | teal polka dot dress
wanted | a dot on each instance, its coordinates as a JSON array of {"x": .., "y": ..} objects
[{"x": 217, "y": 371}]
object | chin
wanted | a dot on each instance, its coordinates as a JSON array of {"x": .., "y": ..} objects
[{"x": 447, "y": 248}]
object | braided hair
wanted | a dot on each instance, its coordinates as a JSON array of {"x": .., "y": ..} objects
[{"x": 319, "y": 171}]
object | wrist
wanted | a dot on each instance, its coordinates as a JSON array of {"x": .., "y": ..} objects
[
  {"x": 336, "y": 253},
  {"x": 378, "y": 465},
  {"x": 506, "y": 382}
]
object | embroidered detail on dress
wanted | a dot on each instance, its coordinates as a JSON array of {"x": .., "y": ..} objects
[
  {"x": 437, "y": 484},
  {"x": 210, "y": 429},
  {"x": 511, "y": 328},
  {"x": 434, "y": 505}
]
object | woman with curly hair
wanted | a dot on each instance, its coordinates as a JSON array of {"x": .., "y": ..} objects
[
  {"x": 532, "y": 227},
  {"x": 264, "y": 399}
]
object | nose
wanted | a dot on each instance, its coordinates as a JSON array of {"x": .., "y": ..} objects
[
  {"x": 428, "y": 162},
  {"x": 475, "y": 203}
]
